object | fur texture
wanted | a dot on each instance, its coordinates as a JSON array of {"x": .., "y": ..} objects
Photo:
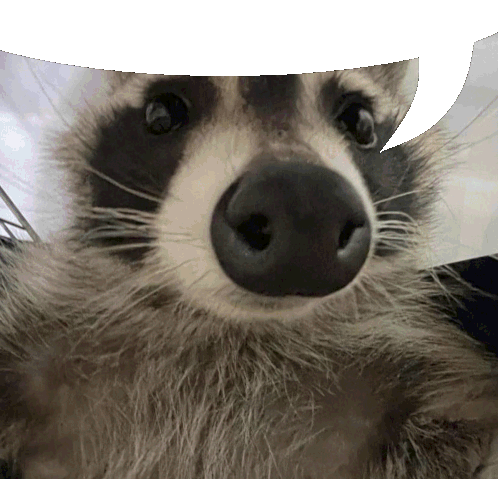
[{"x": 126, "y": 352}]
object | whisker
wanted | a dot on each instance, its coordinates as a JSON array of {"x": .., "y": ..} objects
[
  {"x": 125, "y": 221},
  {"x": 395, "y": 213},
  {"x": 470, "y": 145},
  {"x": 386, "y": 226},
  {"x": 109, "y": 234},
  {"x": 132, "y": 191},
  {"x": 479, "y": 115},
  {"x": 124, "y": 211},
  {"x": 124, "y": 247},
  {"x": 200, "y": 278},
  {"x": 395, "y": 197},
  {"x": 115, "y": 223}
]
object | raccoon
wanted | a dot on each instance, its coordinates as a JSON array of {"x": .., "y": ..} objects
[{"x": 239, "y": 294}]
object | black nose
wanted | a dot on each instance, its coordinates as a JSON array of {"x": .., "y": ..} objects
[{"x": 291, "y": 229}]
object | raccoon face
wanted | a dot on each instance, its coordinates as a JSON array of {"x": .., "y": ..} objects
[{"x": 254, "y": 197}]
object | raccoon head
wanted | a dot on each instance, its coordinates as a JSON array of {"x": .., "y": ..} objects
[{"x": 254, "y": 197}]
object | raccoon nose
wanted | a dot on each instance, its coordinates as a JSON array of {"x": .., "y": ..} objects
[{"x": 291, "y": 229}]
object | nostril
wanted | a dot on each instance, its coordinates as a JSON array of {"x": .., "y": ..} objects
[
  {"x": 290, "y": 229},
  {"x": 347, "y": 233},
  {"x": 256, "y": 231}
]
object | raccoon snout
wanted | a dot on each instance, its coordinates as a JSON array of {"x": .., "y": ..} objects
[{"x": 291, "y": 229}]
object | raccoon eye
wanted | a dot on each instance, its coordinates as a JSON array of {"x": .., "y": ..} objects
[
  {"x": 166, "y": 113},
  {"x": 358, "y": 122}
]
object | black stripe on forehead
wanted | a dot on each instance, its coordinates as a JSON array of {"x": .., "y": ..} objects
[
  {"x": 129, "y": 154},
  {"x": 272, "y": 97}
]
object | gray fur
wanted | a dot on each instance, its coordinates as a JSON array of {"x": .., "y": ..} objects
[{"x": 110, "y": 370}]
